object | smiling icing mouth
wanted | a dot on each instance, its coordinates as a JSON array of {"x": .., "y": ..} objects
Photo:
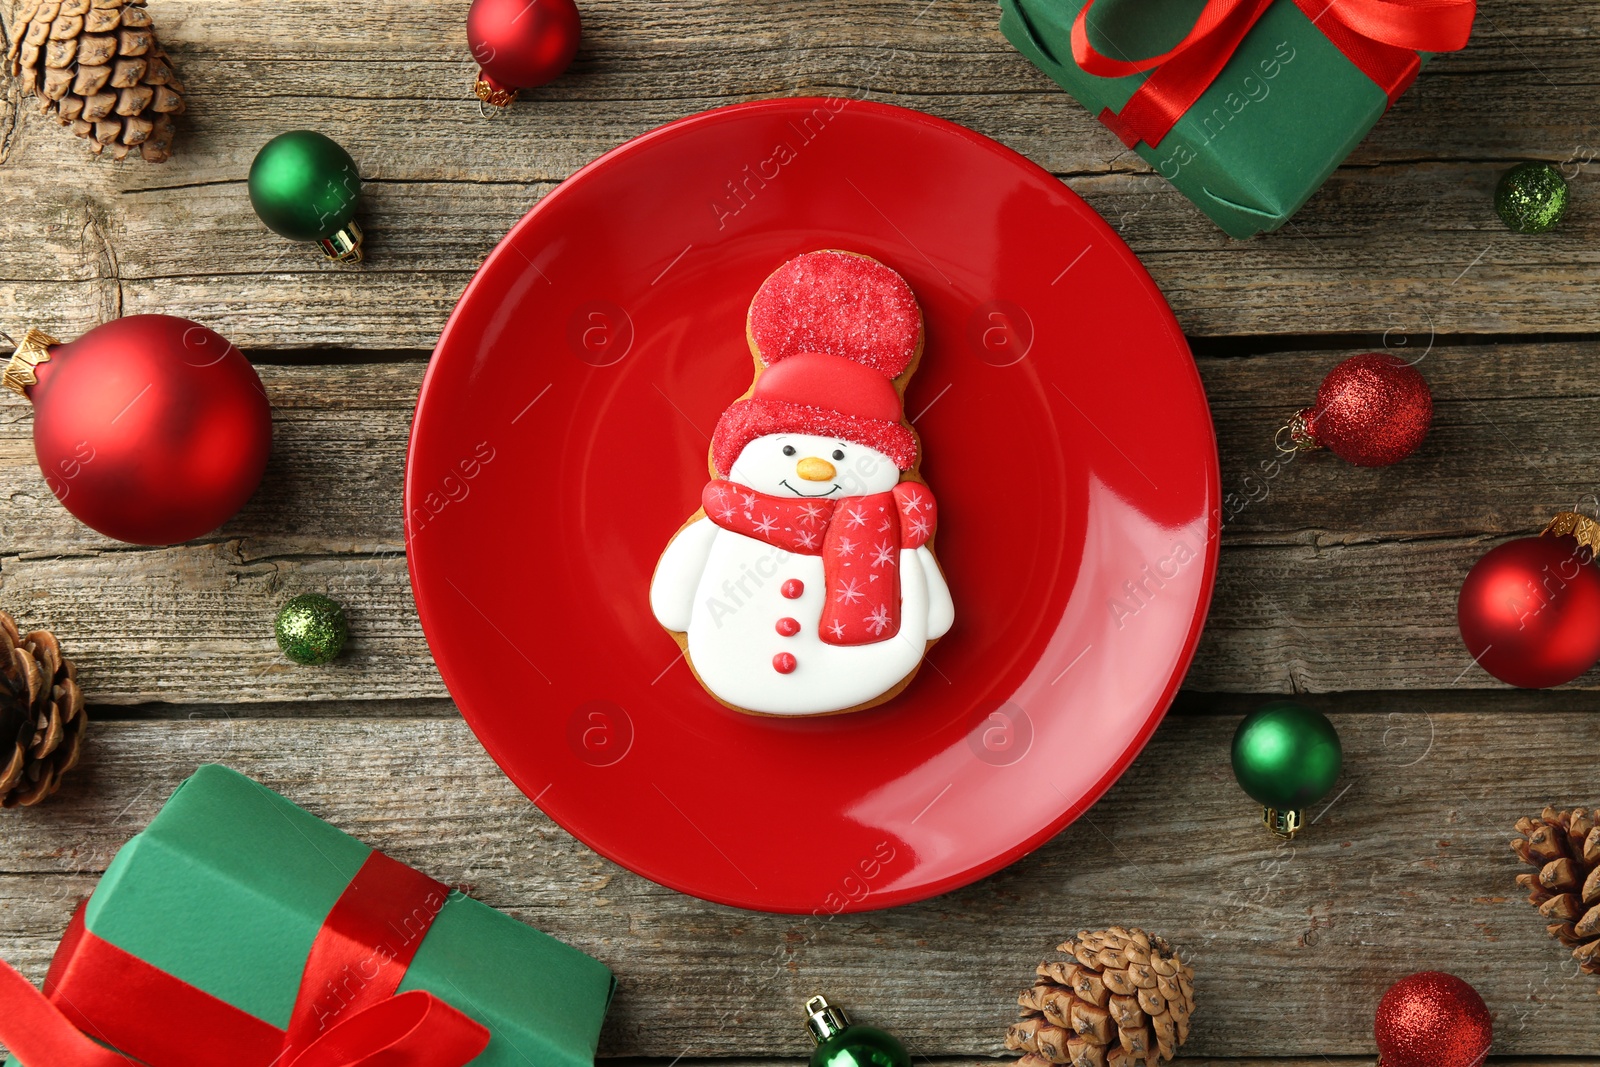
[{"x": 796, "y": 492}]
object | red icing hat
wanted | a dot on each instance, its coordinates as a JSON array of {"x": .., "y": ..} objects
[{"x": 834, "y": 330}]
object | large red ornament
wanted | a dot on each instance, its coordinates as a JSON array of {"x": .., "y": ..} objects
[
  {"x": 1372, "y": 410},
  {"x": 1529, "y": 611},
  {"x": 150, "y": 429},
  {"x": 520, "y": 44},
  {"x": 1432, "y": 1019}
]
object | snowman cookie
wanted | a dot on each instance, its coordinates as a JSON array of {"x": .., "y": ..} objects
[{"x": 806, "y": 583}]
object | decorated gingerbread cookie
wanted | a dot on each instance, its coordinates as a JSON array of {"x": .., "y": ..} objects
[{"x": 806, "y": 584}]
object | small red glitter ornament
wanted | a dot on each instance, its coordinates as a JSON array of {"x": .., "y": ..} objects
[
  {"x": 150, "y": 429},
  {"x": 1372, "y": 410},
  {"x": 1529, "y": 610},
  {"x": 1432, "y": 1019},
  {"x": 520, "y": 44}
]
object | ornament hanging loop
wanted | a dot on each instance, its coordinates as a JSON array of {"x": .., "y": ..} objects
[
  {"x": 1284, "y": 824},
  {"x": 1295, "y": 435},
  {"x": 34, "y": 349}
]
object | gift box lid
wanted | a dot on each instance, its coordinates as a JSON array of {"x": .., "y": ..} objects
[
  {"x": 1281, "y": 116},
  {"x": 231, "y": 882}
]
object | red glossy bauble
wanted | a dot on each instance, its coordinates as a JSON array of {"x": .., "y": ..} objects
[
  {"x": 1432, "y": 1019},
  {"x": 1372, "y": 410},
  {"x": 1529, "y": 611},
  {"x": 520, "y": 44},
  {"x": 150, "y": 429}
]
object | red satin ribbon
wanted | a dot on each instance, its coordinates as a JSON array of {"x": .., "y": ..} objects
[
  {"x": 346, "y": 1014},
  {"x": 1381, "y": 37}
]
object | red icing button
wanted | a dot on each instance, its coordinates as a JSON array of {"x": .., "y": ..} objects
[
  {"x": 792, "y": 589},
  {"x": 788, "y": 627},
  {"x": 783, "y": 663}
]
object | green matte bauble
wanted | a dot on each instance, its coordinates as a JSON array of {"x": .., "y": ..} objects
[
  {"x": 1531, "y": 197},
  {"x": 1286, "y": 756},
  {"x": 311, "y": 629},
  {"x": 841, "y": 1043},
  {"x": 304, "y": 186}
]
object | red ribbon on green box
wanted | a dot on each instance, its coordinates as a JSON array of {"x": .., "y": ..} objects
[
  {"x": 1381, "y": 37},
  {"x": 347, "y": 1013}
]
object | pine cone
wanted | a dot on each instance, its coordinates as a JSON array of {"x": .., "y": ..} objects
[
  {"x": 41, "y": 715},
  {"x": 1123, "y": 998},
  {"x": 1565, "y": 846},
  {"x": 97, "y": 64}
]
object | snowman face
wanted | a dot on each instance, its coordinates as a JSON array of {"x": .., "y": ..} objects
[{"x": 795, "y": 464}]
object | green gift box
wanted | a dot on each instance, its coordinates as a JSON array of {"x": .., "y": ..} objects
[
  {"x": 230, "y": 887},
  {"x": 1285, "y": 110}
]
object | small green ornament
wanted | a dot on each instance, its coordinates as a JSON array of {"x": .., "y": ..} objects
[
  {"x": 1531, "y": 197},
  {"x": 1286, "y": 757},
  {"x": 841, "y": 1043},
  {"x": 311, "y": 629},
  {"x": 305, "y": 187}
]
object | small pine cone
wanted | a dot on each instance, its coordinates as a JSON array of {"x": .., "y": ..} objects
[
  {"x": 98, "y": 66},
  {"x": 1565, "y": 847},
  {"x": 1122, "y": 998},
  {"x": 42, "y": 720}
]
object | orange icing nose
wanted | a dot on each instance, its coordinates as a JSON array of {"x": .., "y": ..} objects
[{"x": 813, "y": 469}]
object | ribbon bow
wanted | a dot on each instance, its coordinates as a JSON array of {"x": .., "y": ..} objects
[
  {"x": 1381, "y": 37},
  {"x": 101, "y": 991}
]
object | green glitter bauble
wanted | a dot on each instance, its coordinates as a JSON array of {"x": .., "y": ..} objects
[
  {"x": 304, "y": 186},
  {"x": 311, "y": 629},
  {"x": 1531, "y": 197},
  {"x": 1286, "y": 756}
]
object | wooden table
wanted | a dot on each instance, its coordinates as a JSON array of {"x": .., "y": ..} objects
[{"x": 1336, "y": 583}]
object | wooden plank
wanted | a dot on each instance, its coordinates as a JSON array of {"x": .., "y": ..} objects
[
  {"x": 1509, "y": 446},
  {"x": 1406, "y": 869},
  {"x": 92, "y": 239},
  {"x": 1333, "y": 577}
]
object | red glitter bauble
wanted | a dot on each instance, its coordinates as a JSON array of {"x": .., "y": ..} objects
[
  {"x": 1372, "y": 410},
  {"x": 1432, "y": 1019},
  {"x": 150, "y": 429},
  {"x": 1529, "y": 611},
  {"x": 520, "y": 44}
]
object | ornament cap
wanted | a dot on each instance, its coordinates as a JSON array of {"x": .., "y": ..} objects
[
  {"x": 1581, "y": 528},
  {"x": 1284, "y": 824},
  {"x": 34, "y": 349},
  {"x": 344, "y": 244},
  {"x": 823, "y": 1019},
  {"x": 492, "y": 92},
  {"x": 1296, "y": 435}
]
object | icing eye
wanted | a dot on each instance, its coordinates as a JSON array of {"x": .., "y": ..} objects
[
  {"x": 788, "y": 450},
  {"x": 838, "y": 453}
]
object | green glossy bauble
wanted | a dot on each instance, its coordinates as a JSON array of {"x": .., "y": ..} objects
[
  {"x": 1286, "y": 756},
  {"x": 311, "y": 629},
  {"x": 1531, "y": 197},
  {"x": 861, "y": 1046},
  {"x": 304, "y": 186}
]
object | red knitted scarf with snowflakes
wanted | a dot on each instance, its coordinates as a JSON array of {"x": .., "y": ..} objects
[{"x": 858, "y": 537}]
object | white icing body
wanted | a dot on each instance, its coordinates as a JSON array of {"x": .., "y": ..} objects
[{"x": 726, "y": 591}]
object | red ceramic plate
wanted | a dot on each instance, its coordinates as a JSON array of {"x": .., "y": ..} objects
[{"x": 561, "y": 439}]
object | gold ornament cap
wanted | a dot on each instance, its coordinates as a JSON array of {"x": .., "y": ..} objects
[
  {"x": 1296, "y": 435},
  {"x": 344, "y": 244},
  {"x": 494, "y": 97},
  {"x": 21, "y": 372},
  {"x": 1284, "y": 824},
  {"x": 823, "y": 1019},
  {"x": 1581, "y": 528}
]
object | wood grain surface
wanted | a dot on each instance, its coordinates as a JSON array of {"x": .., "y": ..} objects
[
  {"x": 1402, "y": 236},
  {"x": 1405, "y": 868},
  {"x": 1336, "y": 583}
]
